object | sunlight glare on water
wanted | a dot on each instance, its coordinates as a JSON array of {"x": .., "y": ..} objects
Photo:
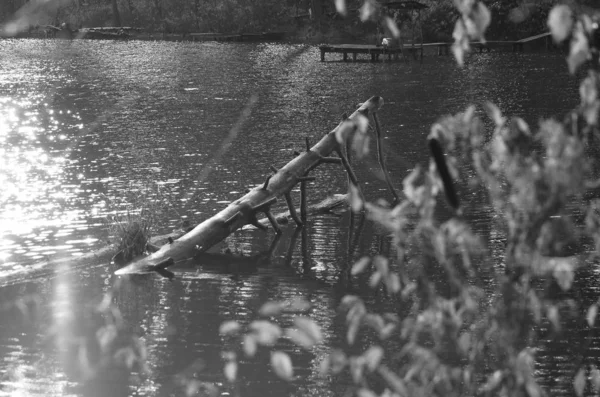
[{"x": 33, "y": 198}]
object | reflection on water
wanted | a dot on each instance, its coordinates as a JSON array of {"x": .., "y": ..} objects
[
  {"x": 86, "y": 128},
  {"x": 33, "y": 158}
]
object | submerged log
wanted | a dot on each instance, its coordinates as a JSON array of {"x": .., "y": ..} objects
[{"x": 244, "y": 210}]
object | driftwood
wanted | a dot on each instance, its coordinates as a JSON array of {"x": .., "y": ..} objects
[{"x": 259, "y": 200}]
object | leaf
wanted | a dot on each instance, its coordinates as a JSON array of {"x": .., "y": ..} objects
[
  {"x": 393, "y": 380},
  {"x": 282, "y": 365},
  {"x": 535, "y": 306},
  {"x": 367, "y": 10},
  {"x": 310, "y": 328},
  {"x": 386, "y": 331},
  {"x": 522, "y": 125},
  {"x": 352, "y": 330},
  {"x": 408, "y": 289},
  {"x": 230, "y": 371},
  {"x": 533, "y": 389},
  {"x": 360, "y": 265},
  {"x": 409, "y": 185},
  {"x": 464, "y": 342},
  {"x": 493, "y": 381},
  {"x": 344, "y": 130},
  {"x": 560, "y": 22},
  {"x": 580, "y": 49},
  {"x": 481, "y": 18},
  {"x": 373, "y": 357},
  {"x": 595, "y": 375},
  {"x": 563, "y": 273},
  {"x": 391, "y": 25},
  {"x": 340, "y": 7},
  {"x": 375, "y": 279},
  {"x": 521, "y": 13},
  {"x": 356, "y": 202},
  {"x": 461, "y": 42},
  {"x": 553, "y": 317},
  {"x": 298, "y": 305},
  {"x": 105, "y": 336},
  {"x": 590, "y": 113},
  {"x": 495, "y": 114},
  {"x": 392, "y": 283},
  {"x": 360, "y": 141},
  {"x": 271, "y": 309},
  {"x": 250, "y": 346},
  {"x": 362, "y": 123},
  {"x": 299, "y": 338},
  {"x": 349, "y": 301},
  {"x": 228, "y": 355},
  {"x": 591, "y": 314},
  {"x": 525, "y": 363},
  {"x": 125, "y": 356},
  {"x": 338, "y": 361},
  {"x": 374, "y": 321},
  {"x": 192, "y": 387},
  {"x": 266, "y": 332},
  {"x": 588, "y": 91},
  {"x": 381, "y": 264},
  {"x": 579, "y": 382},
  {"x": 362, "y": 392},
  {"x": 229, "y": 327},
  {"x": 357, "y": 365}
]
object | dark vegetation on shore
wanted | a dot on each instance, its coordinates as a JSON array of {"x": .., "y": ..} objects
[{"x": 176, "y": 19}]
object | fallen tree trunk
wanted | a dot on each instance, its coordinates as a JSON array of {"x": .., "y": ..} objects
[{"x": 244, "y": 210}]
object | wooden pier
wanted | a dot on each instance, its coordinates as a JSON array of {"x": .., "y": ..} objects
[
  {"x": 417, "y": 50},
  {"x": 354, "y": 49}
]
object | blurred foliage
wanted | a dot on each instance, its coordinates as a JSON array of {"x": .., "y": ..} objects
[
  {"x": 95, "y": 347},
  {"x": 511, "y": 19},
  {"x": 465, "y": 323}
]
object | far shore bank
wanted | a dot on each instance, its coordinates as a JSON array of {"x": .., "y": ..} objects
[{"x": 296, "y": 36}]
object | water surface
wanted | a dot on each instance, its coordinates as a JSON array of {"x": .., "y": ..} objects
[{"x": 88, "y": 128}]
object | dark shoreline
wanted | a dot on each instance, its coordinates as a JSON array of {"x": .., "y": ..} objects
[
  {"x": 92, "y": 34},
  {"x": 296, "y": 36}
]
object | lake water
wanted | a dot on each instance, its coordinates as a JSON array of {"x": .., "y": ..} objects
[{"x": 87, "y": 127}]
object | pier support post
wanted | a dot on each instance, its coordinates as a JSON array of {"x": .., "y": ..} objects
[{"x": 303, "y": 201}]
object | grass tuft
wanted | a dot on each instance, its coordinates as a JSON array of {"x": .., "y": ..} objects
[
  {"x": 131, "y": 232},
  {"x": 135, "y": 217}
]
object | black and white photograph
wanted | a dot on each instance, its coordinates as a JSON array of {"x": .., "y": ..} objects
[{"x": 299, "y": 198}]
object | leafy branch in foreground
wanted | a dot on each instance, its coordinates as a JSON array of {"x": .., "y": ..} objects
[{"x": 467, "y": 323}]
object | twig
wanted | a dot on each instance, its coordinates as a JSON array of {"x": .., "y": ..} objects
[
  {"x": 292, "y": 209},
  {"x": 381, "y": 159}
]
